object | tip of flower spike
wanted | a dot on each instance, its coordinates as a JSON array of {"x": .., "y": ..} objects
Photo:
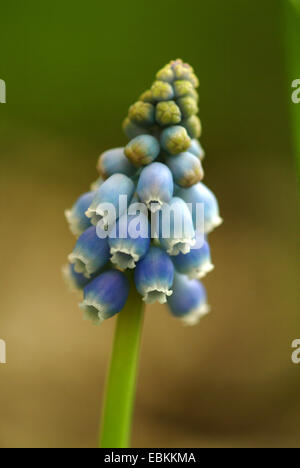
[{"x": 196, "y": 315}]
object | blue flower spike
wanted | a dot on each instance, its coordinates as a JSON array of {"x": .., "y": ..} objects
[
  {"x": 154, "y": 276},
  {"x": 155, "y": 186},
  {"x": 148, "y": 214},
  {"x": 105, "y": 296},
  {"x": 113, "y": 162},
  {"x": 188, "y": 301},
  {"x": 76, "y": 217},
  {"x": 142, "y": 150},
  {"x": 90, "y": 254}
]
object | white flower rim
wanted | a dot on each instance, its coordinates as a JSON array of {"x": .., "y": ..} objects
[
  {"x": 98, "y": 311},
  {"x": 83, "y": 268},
  {"x": 202, "y": 271},
  {"x": 214, "y": 223},
  {"x": 193, "y": 317},
  {"x": 115, "y": 259},
  {"x": 72, "y": 221},
  {"x": 177, "y": 246},
  {"x": 154, "y": 294}
]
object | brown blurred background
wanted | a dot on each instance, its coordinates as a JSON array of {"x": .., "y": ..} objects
[{"x": 71, "y": 72}]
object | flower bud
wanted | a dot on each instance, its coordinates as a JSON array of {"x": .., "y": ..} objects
[
  {"x": 97, "y": 184},
  {"x": 147, "y": 96},
  {"x": 142, "y": 150},
  {"x": 105, "y": 296},
  {"x": 186, "y": 169},
  {"x": 196, "y": 149},
  {"x": 199, "y": 193},
  {"x": 155, "y": 186},
  {"x": 188, "y": 106},
  {"x": 166, "y": 74},
  {"x": 175, "y": 139},
  {"x": 195, "y": 264},
  {"x": 114, "y": 161},
  {"x": 193, "y": 126},
  {"x": 154, "y": 276},
  {"x": 183, "y": 88},
  {"x": 76, "y": 217},
  {"x": 167, "y": 113},
  {"x": 90, "y": 254},
  {"x": 109, "y": 193},
  {"x": 142, "y": 114},
  {"x": 174, "y": 227},
  {"x": 188, "y": 301},
  {"x": 162, "y": 91},
  {"x": 75, "y": 281}
]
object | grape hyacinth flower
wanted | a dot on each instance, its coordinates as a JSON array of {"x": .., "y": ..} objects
[
  {"x": 200, "y": 194},
  {"x": 109, "y": 194},
  {"x": 155, "y": 186},
  {"x": 130, "y": 242},
  {"x": 76, "y": 217},
  {"x": 154, "y": 276},
  {"x": 90, "y": 253},
  {"x": 138, "y": 236},
  {"x": 186, "y": 169},
  {"x": 188, "y": 301},
  {"x": 113, "y": 162},
  {"x": 174, "y": 227},
  {"x": 195, "y": 264},
  {"x": 105, "y": 296}
]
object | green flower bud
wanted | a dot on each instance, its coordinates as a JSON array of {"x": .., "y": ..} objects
[
  {"x": 147, "y": 96},
  {"x": 175, "y": 139},
  {"x": 162, "y": 91},
  {"x": 142, "y": 113},
  {"x": 193, "y": 126},
  {"x": 194, "y": 80},
  {"x": 142, "y": 150},
  {"x": 165, "y": 74},
  {"x": 167, "y": 113},
  {"x": 182, "y": 71},
  {"x": 183, "y": 88},
  {"x": 188, "y": 106}
]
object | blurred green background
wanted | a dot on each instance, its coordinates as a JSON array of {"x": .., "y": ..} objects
[{"x": 71, "y": 70}]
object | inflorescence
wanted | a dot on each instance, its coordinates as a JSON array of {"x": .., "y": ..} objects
[{"x": 160, "y": 166}]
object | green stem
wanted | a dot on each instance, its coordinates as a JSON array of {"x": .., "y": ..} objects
[
  {"x": 291, "y": 15},
  {"x": 121, "y": 382}
]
